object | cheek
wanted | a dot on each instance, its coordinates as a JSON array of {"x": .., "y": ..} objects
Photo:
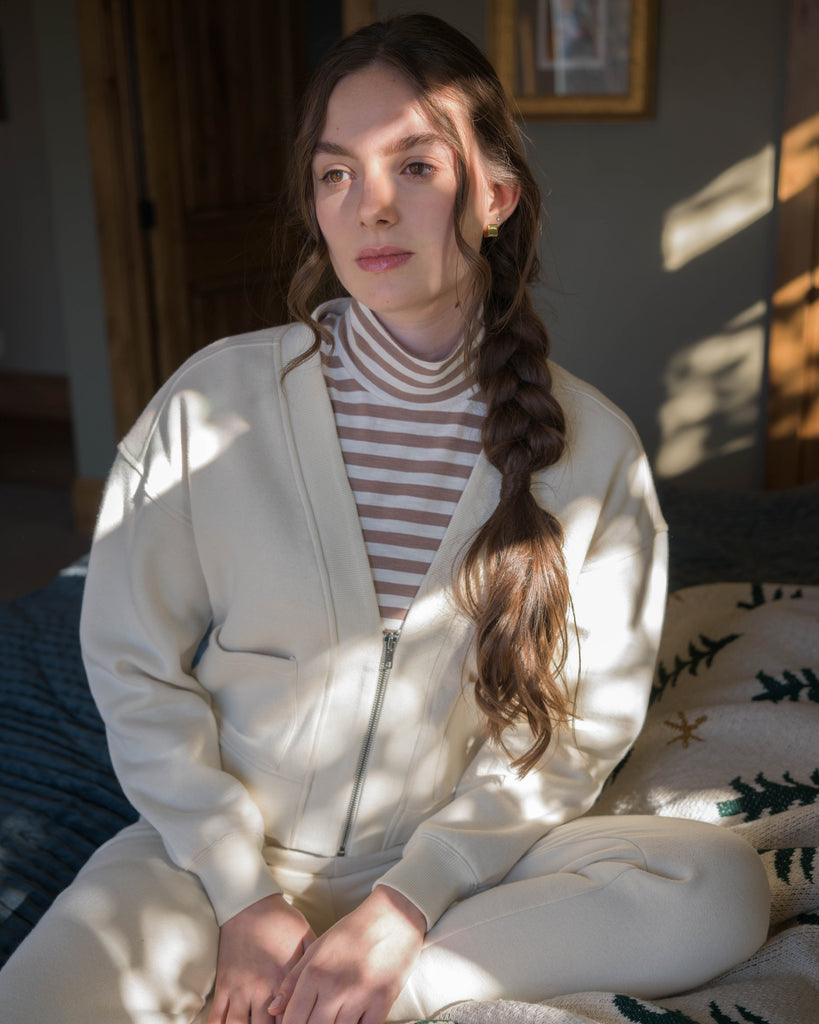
[
  {"x": 473, "y": 233},
  {"x": 323, "y": 220},
  {"x": 328, "y": 227},
  {"x": 440, "y": 225},
  {"x": 473, "y": 225}
]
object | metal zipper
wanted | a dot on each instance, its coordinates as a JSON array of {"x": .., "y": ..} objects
[{"x": 387, "y": 653}]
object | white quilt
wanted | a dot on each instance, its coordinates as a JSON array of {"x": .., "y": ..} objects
[{"x": 731, "y": 737}]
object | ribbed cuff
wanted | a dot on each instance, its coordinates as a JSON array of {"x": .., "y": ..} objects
[
  {"x": 432, "y": 876},
  {"x": 234, "y": 875}
]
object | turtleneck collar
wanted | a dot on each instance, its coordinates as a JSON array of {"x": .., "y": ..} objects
[{"x": 380, "y": 364}]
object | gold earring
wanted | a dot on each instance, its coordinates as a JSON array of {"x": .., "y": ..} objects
[{"x": 491, "y": 230}]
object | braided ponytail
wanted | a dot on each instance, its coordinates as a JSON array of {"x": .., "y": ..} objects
[{"x": 512, "y": 580}]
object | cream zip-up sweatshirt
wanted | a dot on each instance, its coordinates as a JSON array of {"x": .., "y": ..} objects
[{"x": 229, "y": 506}]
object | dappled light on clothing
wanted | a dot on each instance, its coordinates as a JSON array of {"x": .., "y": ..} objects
[{"x": 212, "y": 437}]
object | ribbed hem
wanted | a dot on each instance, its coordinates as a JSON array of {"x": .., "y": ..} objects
[
  {"x": 234, "y": 875},
  {"x": 432, "y": 876}
]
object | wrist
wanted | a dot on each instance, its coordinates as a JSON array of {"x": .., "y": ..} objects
[{"x": 398, "y": 902}]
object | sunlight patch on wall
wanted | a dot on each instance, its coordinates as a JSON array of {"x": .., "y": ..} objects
[
  {"x": 713, "y": 388},
  {"x": 799, "y": 147},
  {"x": 727, "y": 205}
]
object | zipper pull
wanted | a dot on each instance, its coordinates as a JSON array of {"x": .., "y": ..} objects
[{"x": 390, "y": 643}]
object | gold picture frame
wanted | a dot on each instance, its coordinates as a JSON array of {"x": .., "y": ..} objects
[
  {"x": 576, "y": 60},
  {"x": 355, "y": 14}
]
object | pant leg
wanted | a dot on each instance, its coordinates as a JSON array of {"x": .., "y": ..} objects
[
  {"x": 132, "y": 939},
  {"x": 643, "y": 905}
]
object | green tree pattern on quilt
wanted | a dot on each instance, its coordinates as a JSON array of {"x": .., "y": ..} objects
[
  {"x": 790, "y": 687},
  {"x": 758, "y": 596},
  {"x": 772, "y": 797},
  {"x": 638, "y": 1013},
  {"x": 784, "y": 863},
  {"x": 697, "y": 656}
]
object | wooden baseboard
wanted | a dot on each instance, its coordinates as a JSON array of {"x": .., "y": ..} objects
[
  {"x": 40, "y": 396},
  {"x": 86, "y": 494}
]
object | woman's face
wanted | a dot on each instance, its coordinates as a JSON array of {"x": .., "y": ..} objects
[{"x": 385, "y": 184}]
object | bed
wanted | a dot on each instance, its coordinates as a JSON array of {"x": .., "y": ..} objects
[{"x": 732, "y": 737}]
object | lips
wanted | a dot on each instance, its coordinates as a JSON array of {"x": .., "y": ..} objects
[{"x": 385, "y": 257}]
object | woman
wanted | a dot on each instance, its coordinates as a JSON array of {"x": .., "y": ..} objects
[{"x": 432, "y": 565}]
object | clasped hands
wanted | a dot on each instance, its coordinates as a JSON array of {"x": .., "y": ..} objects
[{"x": 352, "y": 973}]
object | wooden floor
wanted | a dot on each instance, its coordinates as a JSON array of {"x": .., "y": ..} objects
[{"x": 37, "y": 536}]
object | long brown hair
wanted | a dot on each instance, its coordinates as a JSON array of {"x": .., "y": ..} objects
[{"x": 512, "y": 579}]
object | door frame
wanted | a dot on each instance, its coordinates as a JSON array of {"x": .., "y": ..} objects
[
  {"x": 112, "y": 116},
  {"x": 792, "y": 455}
]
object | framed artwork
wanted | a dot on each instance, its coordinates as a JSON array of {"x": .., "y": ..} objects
[
  {"x": 576, "y": 59},
  {"x": 356, "y": 14}
]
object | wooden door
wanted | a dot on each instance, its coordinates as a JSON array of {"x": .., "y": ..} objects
[
  {"x": 191, "y": 110},
  {"x": 793, "y": 355}
]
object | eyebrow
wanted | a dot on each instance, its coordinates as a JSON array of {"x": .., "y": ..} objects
[{"x": 408, "y": 142}]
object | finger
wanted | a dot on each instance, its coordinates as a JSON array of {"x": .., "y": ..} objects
[
  {"x": 218, "y": 1009},
  {"x": 277, "y": 1006},
  {"x": 299, "y": 1007},
  {"x": 288, "y": 984},
  {"x": 258, "y": 1011},
  {"x": 238, "y": 1011},
  {"x": 374, "y": 1014},
  {"x": 280, "y": 1001},
  {"x": 375, "y": 1009},
  {"x": 355, "y": 1014},
  {"x": 349, "y": 1011}
]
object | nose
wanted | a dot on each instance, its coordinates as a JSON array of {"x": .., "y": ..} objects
[{"x": 376, "y": 205}]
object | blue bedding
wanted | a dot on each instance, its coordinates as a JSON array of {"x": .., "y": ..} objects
[
  {"x": 59, "y": 799},
  {"x": 58, "y": 796}
]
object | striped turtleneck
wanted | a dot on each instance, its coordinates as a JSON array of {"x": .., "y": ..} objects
[{"x": 410, "y": 434}]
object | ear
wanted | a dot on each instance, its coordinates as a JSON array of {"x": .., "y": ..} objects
[{"x": 503, "y": 201}]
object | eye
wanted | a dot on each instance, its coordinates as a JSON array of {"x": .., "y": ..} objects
[
  {"x": 335, "y": 176},
  {"x": 418, "y": 169}
]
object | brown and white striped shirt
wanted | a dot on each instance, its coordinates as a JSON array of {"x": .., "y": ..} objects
[{"x": 410, "y": 435}]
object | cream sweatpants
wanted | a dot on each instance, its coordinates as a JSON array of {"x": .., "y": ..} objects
[{"x": 640, "y": 905}]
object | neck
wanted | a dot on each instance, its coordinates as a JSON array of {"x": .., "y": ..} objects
[{"x": 432, "y": 338}]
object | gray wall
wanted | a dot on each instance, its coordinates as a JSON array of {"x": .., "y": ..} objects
[
  {"x": 31, "y": 336},
  {"x": 51, "y": 306},
  {"x": 79, "y": 294},
  {"x": 677, "y": 338}
]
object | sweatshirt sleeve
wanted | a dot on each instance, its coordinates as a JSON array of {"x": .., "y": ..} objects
[
  {"x": 145, "y": 611},
  {"x": 618, "y": 602}
]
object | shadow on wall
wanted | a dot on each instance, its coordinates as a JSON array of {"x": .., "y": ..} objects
[
  {"x": 659, "y": 242},
  {"x": 664, "y": 307},
  {"x": 715, "y": 400},
  {"x": 712, "y": 412}
]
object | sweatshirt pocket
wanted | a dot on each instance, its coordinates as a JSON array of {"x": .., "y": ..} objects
[{"x": 255, "y": 699}]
